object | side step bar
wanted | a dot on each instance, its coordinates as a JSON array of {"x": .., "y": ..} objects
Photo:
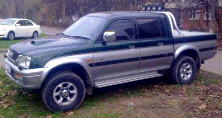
[{"x": 125, "y": 79}]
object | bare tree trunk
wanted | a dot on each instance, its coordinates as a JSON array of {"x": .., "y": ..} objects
[
  {"x": 16, "y": 9},
  {"x": 207, "y": 10},
  {"x": 218, "y": 17},
  {"x": 64, "y": 10},
  {"x": 213, "y": 16}
]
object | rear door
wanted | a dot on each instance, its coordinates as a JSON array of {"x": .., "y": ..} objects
[
  {"x": 156, "y": 48},
  {"x": 117, "y": 58},
  {"x": 29, "y": 28}
]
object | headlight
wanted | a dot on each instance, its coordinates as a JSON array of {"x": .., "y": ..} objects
[
  {"x": 24, "y": 61},
  {"x": 3, "y": 29}
]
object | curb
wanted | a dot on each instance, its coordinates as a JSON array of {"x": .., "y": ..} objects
[{"x": 3, "y": 50}]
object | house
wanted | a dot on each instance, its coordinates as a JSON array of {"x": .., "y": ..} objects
[
  {"x": 190, "y": 15},
  {"x": 196, "y": 18}
]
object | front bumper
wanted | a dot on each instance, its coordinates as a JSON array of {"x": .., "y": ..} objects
[
  {"x": 3, "y": 34},
  {"x": 30, "y": 79}
]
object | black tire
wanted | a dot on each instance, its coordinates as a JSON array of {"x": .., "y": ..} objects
[
  {"x": 58, "y": 78},
  {"x": 175, "y": 70},
  {"x": 35, "y": 35},
  {"x": 11, "y": 36}
]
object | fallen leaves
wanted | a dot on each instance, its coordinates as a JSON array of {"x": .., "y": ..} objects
[
  {"x": 12, "y": 102},
  {"x": 5, "y": 106},
  {"x": 48, "y": 116},
  {"x": 68, "y": 113},
  {"x": 203, "y": 106}
]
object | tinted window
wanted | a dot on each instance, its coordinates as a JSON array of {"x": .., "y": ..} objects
[
  {"x": 21, "y": 22},
  {"x": 28, "y": 23},
  {"x": 123, "y": 29},
  {"x": 149, "y": 28}
]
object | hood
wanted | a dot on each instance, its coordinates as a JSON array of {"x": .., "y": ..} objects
[
  {"x": 5, "y": 26},
  {"x": 47, "y": 44}
]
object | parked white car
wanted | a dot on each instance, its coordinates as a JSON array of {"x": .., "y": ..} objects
[{"x": 14, "y": 27}]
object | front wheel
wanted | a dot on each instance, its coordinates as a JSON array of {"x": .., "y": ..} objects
[
  {"x": 11, "y": 36},
  {"x": 184, "y": 70},
  {"x": 63, "y": 92}
]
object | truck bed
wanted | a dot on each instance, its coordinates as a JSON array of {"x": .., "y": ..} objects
[{"x": 191, "y": 33}]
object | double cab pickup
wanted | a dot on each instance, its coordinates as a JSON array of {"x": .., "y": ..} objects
[{"x": 104, "y": 49}]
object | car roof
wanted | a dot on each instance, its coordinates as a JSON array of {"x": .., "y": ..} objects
[
  {"x": 16, "y": 19},
  {"x": 110, "y": 14}
]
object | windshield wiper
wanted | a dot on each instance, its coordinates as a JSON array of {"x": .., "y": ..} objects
[
  {"x": 73, "y": 36},
  {"x": 81, "y": 37}
]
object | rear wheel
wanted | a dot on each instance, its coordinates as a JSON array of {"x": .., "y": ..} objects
[
  {"x": 11, "y": 36},
  {"x": 184, "y": 70},
  {"x": 63, "y": 92}
]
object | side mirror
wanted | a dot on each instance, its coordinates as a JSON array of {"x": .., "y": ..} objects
[
  {"x": 109, "y": 36},
  {"x": 17, "y": 25}
]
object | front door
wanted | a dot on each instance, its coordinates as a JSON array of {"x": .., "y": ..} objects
[
  {"x": 156, "y": 48},
  {"x": 117, "y": 58},
  {"x": 20, "y": 30}
]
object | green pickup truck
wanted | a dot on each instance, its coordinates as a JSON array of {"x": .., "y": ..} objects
[{"x": 104, "y": 49}]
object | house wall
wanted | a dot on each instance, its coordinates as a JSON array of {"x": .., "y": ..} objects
[{"x": 198, "y": 24}]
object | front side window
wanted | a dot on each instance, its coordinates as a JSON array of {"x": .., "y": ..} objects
[
  {"x": 149, "y": 28},
  {"x": 123, "y": 29},
  {"x": 21, "y": 22},
  {"x": 7, "y": 22}
]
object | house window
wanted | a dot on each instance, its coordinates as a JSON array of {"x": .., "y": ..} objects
[
  {"x": 205, "y": 16},
  {"x": 194, "y": 14}
]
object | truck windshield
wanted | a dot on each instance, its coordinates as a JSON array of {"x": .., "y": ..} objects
[
  {"x": 85, "y": 27},
  {"x": 7, "y": 22}
]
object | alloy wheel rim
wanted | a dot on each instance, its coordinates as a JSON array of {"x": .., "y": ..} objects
[
  {"x": 186, "y": 71},
  {"x": 11, "y": 36},
  {"x": 65, "y": 93},
  {"x": 35, "y": 35}
]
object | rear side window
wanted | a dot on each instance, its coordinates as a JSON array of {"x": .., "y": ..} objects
[
  {"x": 28, "y": 23},
  {"x": 149, "y": 28}
]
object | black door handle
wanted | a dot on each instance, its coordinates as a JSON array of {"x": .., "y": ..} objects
[{"x": 132, "y": 46}]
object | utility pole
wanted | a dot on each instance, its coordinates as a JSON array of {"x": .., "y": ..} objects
[
  {"x": 7, "y": 9},
  {"x": 213, "y": 10},
  {"x": 24, "y": 8}
]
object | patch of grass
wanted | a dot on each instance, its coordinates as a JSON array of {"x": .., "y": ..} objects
[
  {"x": 5, "y": 44},
  {"x": 43, "y": 35},
  {"x": 150, "y": 100},
  {"x": 220, "y": 105}
]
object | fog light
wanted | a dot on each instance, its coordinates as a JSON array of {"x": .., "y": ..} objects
[{"x": 19, "y": 75}]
